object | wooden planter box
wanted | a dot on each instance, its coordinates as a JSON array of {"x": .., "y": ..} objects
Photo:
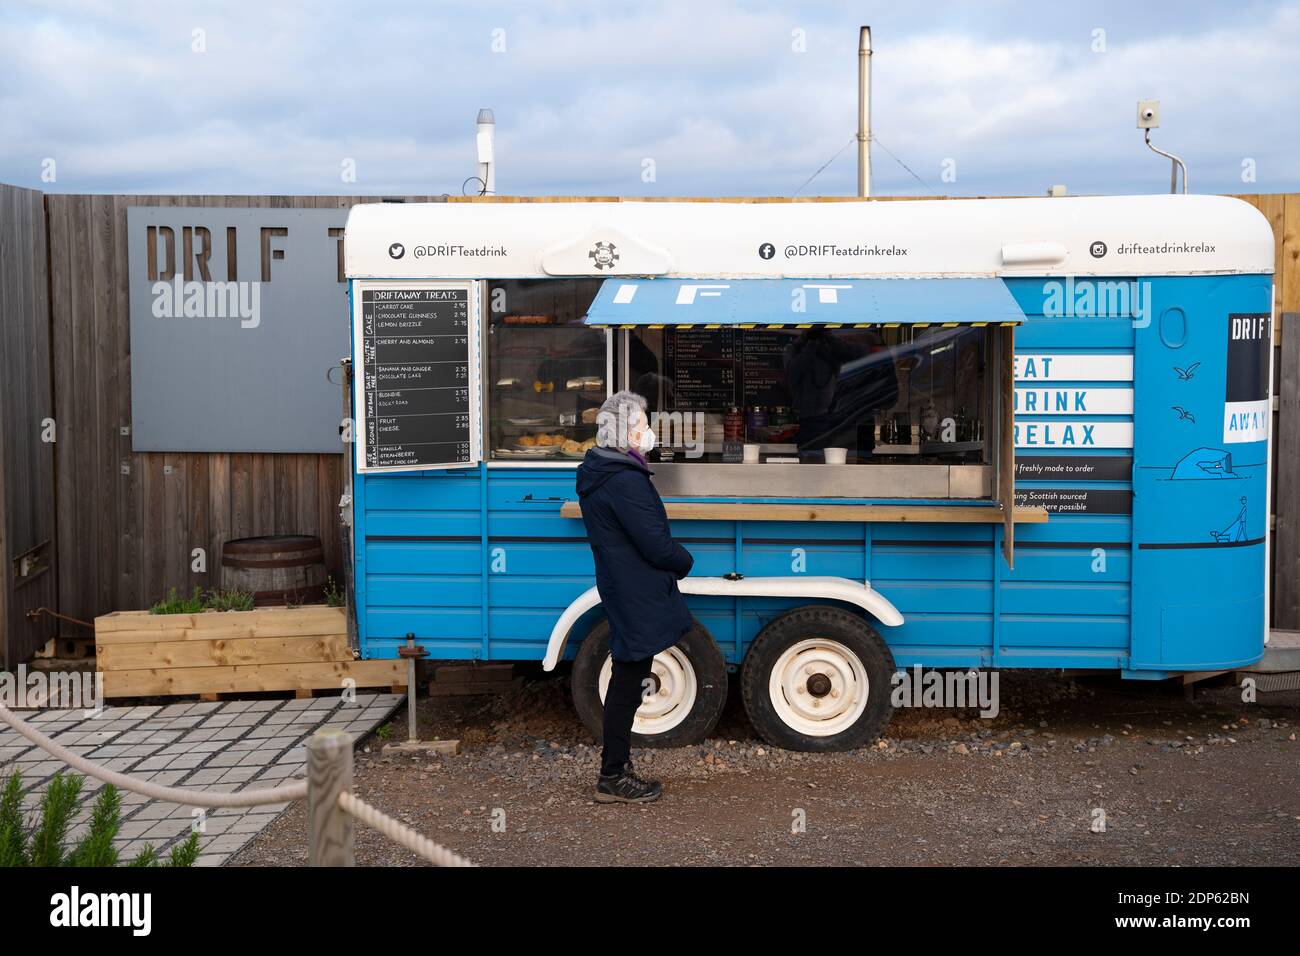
[{"x": 275, "y": 648}]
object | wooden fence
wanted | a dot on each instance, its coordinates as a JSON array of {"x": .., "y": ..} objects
[
  {"x": 1283, "y": 213},
  {"x": 127, "y": 522},
  {"x": 27, "y": 576}
]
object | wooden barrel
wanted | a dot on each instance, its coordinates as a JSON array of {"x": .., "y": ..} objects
[{"x": 277, "y": 568}]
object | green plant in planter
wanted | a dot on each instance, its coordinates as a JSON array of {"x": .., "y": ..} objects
[
  {"x": 230, "y": 599},
  {"x": 43, "y": 843},
  {"x": 173, "y": 603}
]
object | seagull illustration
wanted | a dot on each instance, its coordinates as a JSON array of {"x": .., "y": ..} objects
[
  {"x": 1183, "y": 414},
  {"x": 1186, "y": 374}
]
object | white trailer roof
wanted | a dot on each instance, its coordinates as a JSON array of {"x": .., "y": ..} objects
[{"x": 1080, "y": 236}]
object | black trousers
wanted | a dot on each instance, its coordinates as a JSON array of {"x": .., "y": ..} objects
[{"x": 622, "y": 698}]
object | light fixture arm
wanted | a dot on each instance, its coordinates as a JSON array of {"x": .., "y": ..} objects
[{"x": 1175, "y": 163}]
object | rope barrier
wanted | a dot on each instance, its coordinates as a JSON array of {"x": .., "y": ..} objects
[
  {"x": 395, "y": 830},
  {"x": 194, "y": 798},
  {"x": 399, "y": 832}
]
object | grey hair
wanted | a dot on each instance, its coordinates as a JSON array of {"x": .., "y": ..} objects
[{"x": 615, "y": 415}]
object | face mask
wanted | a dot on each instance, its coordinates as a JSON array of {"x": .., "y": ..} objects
[{"x": 642, "y": 438}]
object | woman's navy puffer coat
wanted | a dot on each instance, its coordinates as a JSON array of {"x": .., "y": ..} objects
[{"x": 638, "y": 563}]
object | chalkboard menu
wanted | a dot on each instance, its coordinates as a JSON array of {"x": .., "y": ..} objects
[
  {"x": 416, "y": 348},
  {"x": 712, "y": 369},
  {"x": 762, "y": 366},
  {"x": 701, "y": 364}
]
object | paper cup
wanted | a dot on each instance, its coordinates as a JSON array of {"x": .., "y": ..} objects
[
  {"x": 837, "y": 456},
  {"x": 751, "y": 454}
]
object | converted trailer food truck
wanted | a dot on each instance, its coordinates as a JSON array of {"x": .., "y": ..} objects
[{"x": 950, "y": 434}]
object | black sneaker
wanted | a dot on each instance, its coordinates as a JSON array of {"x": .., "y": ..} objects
[{"x": 626, "y": 787}]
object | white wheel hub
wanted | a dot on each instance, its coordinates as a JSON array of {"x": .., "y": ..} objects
[
  {"x": 818, "y": 687},
  {"x": 670, "y": 696}
]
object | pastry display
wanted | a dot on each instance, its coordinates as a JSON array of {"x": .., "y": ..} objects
[
  {"x": 542, "y": 440},
  {"x": 550, "y": 373}
]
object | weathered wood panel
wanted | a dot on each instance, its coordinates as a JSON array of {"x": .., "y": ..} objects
[
  {"x": 1283, "y": 214},
  {"x": 1286, "y": 480},
  {"x": 27, "y": 498},
  {"x": 129, "y": 522}
]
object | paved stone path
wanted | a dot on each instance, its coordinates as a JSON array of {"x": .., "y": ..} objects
[{"x": 224, "y": 746}]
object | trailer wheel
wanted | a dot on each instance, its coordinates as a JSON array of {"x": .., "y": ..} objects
[
  {"x": 689, "y": 692},
  {"x": 818, "y": 679}
]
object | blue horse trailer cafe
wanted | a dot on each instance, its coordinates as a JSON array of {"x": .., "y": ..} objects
[{"x": 878, "y": 462}]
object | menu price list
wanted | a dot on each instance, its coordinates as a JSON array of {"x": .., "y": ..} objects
[
  {"x": 763, "y": 368},
  {"x": 712, "y": 369},
  {"x": 701, "y": 363},
  {"x": 416, "y": 361}
]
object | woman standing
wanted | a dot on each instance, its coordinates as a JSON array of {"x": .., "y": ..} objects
[{"x": 638, "y": 565}]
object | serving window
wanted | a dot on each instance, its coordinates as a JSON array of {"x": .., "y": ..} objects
[
  {"x": 895, "y": 394},
  {"x": 871, "y": 395},
  {"x": 548, "y": 373},
  {"x": 876, "y": 389}
]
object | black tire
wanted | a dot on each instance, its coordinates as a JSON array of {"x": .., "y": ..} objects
[
  {"x": 857, "y": 638},
  {"x": 706, "y": 662}
]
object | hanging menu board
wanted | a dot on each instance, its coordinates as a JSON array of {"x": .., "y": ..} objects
[
  {"x": 763, "y": 360},
  {"x": 713, "y": 369},
  {"x": 701, "y": 364},
  {"x": 417, "y": 357}
]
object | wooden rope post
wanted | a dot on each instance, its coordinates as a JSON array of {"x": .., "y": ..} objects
[
  {"x": 412, "y": 652},
  {"x": 329, "y": 773}
]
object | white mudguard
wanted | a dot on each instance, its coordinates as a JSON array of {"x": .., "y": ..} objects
[{"x": 811, "y": 588}]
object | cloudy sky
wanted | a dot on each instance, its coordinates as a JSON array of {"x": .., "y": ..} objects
[{"x": 704, "y": 97}]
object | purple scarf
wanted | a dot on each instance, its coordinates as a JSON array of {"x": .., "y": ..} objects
[{"x": 636, "y": 453}]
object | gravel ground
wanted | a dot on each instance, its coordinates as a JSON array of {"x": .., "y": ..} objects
[{"x": 1213, "y": 781}]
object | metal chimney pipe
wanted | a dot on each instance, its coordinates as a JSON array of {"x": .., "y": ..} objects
[
  {"x": 864, "y": 112},
  {"x": 485, "y": 144}
]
